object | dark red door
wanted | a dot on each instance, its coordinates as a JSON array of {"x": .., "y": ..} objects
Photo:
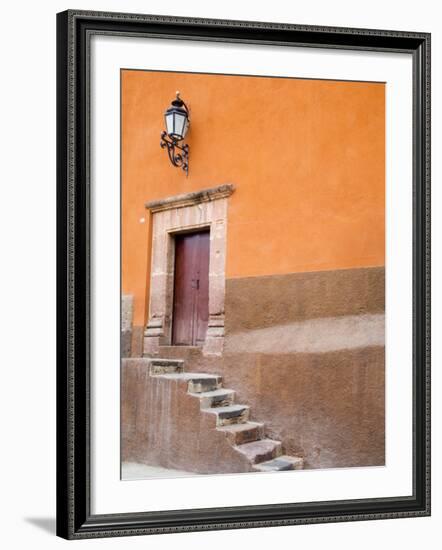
[{"x": 191, "y": 289}]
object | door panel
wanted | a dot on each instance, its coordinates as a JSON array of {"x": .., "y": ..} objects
[
  {"x": 191, "y": 289},
  {"x": 202, "y": 295}
]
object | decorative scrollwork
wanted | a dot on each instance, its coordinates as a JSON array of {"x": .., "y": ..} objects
[{"x": 178, "y": 155}]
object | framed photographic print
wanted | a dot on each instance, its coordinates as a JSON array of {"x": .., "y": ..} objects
[{"x": 243, "y": 274}]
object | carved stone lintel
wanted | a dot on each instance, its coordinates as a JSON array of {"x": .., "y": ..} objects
[{"x": 190, "y": 199}]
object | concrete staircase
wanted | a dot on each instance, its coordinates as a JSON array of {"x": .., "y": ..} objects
[{"x": 231, "y": 419}]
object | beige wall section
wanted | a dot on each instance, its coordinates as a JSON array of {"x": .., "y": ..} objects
[
  {"x": 307, "y": 158},
  {"x": 127, "y": 303},
  {"x": 163, "y": 425},
  {"x": 306, "y": 352},
  {"x": 327, "y": 407},
  {"x": 262, "y": 302}
]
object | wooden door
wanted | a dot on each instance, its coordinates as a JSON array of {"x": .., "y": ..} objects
[{"x": 191, "y": 289}]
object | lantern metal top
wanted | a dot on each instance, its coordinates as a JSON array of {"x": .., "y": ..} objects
[
  {"x": 178, "y": 105},
  {"x": 178, "y": 102}
]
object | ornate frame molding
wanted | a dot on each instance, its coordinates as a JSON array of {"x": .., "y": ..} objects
[{"x": 75, "y": 28}]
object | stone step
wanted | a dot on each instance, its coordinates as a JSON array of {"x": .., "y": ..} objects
[
  {"x": 261, "y": 451},
  {"x": 215, "y": 398},
  {"x": 237, "y": 434},
  {"x": 279, "y": 464},
  {"x": 197, "y": 381},
  {"x": 233, "y": 414},
  {"x": 165, "y": 366},
  {"x": 186, "y": 353},
  {"x": 200, "y": 383}
]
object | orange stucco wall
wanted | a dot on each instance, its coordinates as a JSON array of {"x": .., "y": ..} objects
[{"x": 307, "y": 158}]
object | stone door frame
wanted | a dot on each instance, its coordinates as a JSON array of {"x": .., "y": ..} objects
[{"x": 205, "y": 209}]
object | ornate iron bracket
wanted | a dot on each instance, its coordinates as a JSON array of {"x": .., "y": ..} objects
[{"x": 178, "y": 159}]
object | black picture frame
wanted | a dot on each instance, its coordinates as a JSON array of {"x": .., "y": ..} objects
[{"x": 74, "y": 518}]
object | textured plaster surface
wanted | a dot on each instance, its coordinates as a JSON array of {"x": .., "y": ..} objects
[
  {"x": 327, "y": 407},
  {"x": 163, "y": 426},
  {"x": 259, "y": 302},
  {"x": 305, "y": 352},
  {"x": 313, "y": 202},
  {"x": 312, "y": 336}
]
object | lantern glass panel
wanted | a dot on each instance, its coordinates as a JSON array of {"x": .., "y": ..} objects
[
  {"x": 169, "y": 117},
  {"x": 180, "y": 125},
  {"x": 186, "y": 127}
]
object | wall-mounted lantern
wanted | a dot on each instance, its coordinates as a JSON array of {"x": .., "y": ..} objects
[{"x": 177, "y": 124}]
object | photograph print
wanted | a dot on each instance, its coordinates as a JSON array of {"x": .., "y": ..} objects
[{"x": 252, "y": 274}]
